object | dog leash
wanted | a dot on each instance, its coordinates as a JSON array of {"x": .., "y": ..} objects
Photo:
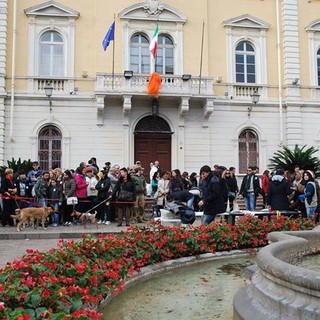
[{"x": 105, "y": 200}]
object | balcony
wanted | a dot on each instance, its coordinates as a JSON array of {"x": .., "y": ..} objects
[
  {"x": 244, "y": 91},
  {"x": 137, "y": 84}
]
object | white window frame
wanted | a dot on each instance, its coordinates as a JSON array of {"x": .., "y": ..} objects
[
  {"x": 313, "y": 32},
  {"x": 52, "y": 44},
  {"x": 165, "y": 48},
  {"x": 140, "y": 45},
  {"x": 250, "y": 29},
  {"x": 245, "y": 54},
  {"x": 51, "y": 16}
]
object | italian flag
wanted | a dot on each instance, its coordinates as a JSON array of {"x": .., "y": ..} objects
[{"x": 154, "y": 43}]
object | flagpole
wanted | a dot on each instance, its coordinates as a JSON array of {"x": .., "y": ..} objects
[
  {"x": 113, "y": 48},
  {"x": 201, "y": 55},
  {"x": 155, "y": 58}
]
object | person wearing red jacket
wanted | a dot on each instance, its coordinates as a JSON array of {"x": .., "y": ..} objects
[{"x": 265, "y": 186}]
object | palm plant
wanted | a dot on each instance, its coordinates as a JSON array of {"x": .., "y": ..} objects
[
  {"x": 16, "y": 165},
  {"x": 287, "y": 159}
]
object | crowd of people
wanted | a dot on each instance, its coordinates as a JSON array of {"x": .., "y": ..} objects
[
  {"x": 282, "y": 190},
  {"x": 119, "y": 194}
]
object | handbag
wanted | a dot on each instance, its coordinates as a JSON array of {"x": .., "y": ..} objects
[
  {"x": 72, "y": 200},
  {"x": 125, "y": 196}
]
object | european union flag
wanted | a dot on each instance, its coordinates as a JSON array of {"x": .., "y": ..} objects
[{"x": 109, "y": 37}]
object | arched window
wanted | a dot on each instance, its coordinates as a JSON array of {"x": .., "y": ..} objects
[
  {"x": 139, "y": 54},
  {"x": 50, "y": 138},
  {"x": 245, "y": 63},
  {"x": 318, "y": 66},
  {"x": 51, "y": 54},
  {"x": 164, "y": 64},
  {"x": 248, "y": 149}
]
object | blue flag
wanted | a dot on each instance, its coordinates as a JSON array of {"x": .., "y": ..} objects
[{"x": 109, "y": 37}]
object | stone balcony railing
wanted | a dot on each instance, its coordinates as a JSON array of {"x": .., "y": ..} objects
[{"x": 171, "y": 85}]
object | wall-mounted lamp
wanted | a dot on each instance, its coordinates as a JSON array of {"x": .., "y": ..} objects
[
  {"x": 186, "y": 77},
  {"x": 48, "y": 91},
  {"x": 219, "y": 79},
  {"x": 255, "y": 97},
  {"x": 128, "y": 74},
  {"x": 295, "y": 81},
  {"x": 155, "y": 107}
]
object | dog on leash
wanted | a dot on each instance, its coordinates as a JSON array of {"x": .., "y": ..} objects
[
  {"x": 31, "y": 213},
  {"x": 28, "y": 223},
  {"x": 83, "y": 217}
]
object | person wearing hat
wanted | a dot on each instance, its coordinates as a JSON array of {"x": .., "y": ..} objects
[
  {"x": 141, "y": 192},
  {"x": 279, "y": 190}
]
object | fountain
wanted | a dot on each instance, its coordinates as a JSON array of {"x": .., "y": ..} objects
[{"x": 279, "y": 289}]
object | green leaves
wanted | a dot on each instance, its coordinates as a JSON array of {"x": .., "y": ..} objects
[
  {"x": 32, "y": 299},
  {"x": 287, "y": 159},
  {"x": 16, "y": 165}
]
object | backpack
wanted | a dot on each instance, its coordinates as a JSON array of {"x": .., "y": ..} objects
[{"x": 187, "y": 215}]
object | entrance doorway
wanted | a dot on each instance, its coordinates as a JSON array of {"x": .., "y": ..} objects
[{"x": 153, "y": 142}]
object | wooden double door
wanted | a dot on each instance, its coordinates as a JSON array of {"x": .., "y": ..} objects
[
  {"x": 153, "y": 142},
  {"x": 150, "y": 147}
]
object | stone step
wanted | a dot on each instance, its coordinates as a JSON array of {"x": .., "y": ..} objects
[{"x": 242, "y": 206}]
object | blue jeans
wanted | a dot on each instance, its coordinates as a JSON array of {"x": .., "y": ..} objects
[
  {"x": 56, "y": 218},
  {"x": 207, "y": 219},
  {"x": 311, "y": 211},
  {"x": 250, "y": 202},
  {"x": 42, "y": 202}
]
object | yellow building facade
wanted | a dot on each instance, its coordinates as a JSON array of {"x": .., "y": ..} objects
[{"x": 214, "y": 58}]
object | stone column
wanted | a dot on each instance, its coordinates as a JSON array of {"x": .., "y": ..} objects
[
  {"x": 291, "y": 52},
  {"x": 3, "y": 54},
  {"x": 293, "y": 125}
]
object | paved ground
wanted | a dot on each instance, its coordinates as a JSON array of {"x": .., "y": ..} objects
[{"x": 13, "y": 244}]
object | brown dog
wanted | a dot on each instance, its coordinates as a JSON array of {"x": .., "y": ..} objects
[
  {"x": 84, "y": 217},
  {"x": 27, "y": 223},
  {"x": 31, "y": 214}
]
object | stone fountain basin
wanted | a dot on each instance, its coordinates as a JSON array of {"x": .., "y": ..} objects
[{"x": 278, "y": 288}]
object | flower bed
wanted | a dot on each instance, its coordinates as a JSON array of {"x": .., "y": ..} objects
[{"x": 70, "y": 281}]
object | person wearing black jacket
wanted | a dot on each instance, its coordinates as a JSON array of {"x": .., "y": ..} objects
[
  {"x": 8, "y": 191},
  {"x": 279, "y": 190},
  {"x": 23, "y": 190},
  {"x": 250, "y": 189},
  {"x": 124, "y": 206},
  {"x": 232, "y": 185},
  {"x": 212, "y": 195},
  {"x": 103, "y": 187}
]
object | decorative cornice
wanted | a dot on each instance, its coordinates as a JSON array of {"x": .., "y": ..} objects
[
  {"x": 152, "y": 9},
  {"x": 51, "y": 9},
  {"x": 246, "y": 21}
]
